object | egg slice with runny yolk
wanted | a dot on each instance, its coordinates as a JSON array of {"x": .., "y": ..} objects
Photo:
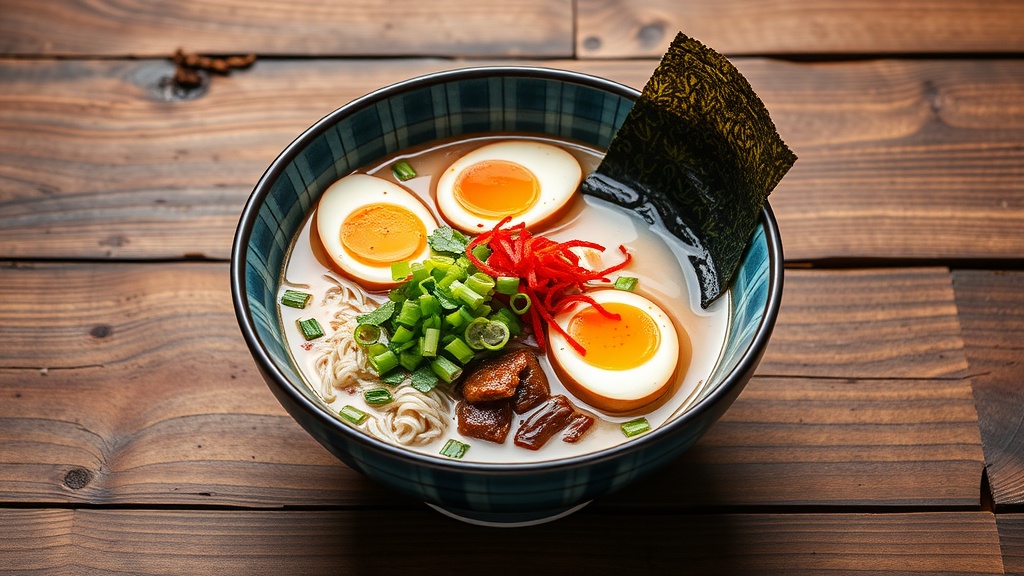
[
  {"x": 631, "y": 360},
  {"x": 366, "y": 224}
]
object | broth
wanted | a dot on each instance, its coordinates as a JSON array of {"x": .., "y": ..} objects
[{"x": 660, "y": 264}]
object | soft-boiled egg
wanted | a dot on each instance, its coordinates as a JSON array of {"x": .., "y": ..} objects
[
  {"x": 366, "y": 224},
  {"x": 528, "y": 180},
  {"x": 630, "y": 362}
]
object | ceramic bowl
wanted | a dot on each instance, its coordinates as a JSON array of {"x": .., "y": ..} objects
[{"x": 476, "y": 100}]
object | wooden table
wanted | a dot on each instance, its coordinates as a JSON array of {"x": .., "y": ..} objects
[{"x": 882, "y": 434}]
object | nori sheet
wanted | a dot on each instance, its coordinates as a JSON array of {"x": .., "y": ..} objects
[{"x": 698, "y": 154}]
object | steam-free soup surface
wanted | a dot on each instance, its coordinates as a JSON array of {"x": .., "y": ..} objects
[{"x": 659, "y": 263}]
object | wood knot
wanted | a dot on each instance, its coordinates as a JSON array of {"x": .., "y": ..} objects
[
  {"x": 77, "y": 478},
  {"x": 101, "y": 331}
]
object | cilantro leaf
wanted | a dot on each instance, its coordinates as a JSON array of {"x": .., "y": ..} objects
[
  {"x": 446, "y": 239},
  {"x": 424, "y": 379},
  {"x": 379, "y": 316}
]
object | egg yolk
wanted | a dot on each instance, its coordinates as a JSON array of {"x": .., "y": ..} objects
[
  {"x": 496, "y": 188},
  {"x": 379, "y": 234},
  {"x": 615, "y": 344}
]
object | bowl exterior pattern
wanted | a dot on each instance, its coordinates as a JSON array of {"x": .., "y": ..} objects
[{"x": 485, "y": 100}]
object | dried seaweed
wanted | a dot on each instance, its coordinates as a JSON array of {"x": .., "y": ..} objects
[{"x": 698, "y": 154}]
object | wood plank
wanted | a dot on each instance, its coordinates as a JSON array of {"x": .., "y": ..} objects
[
  {"x": 366, "y": 542},
  {"x": 991, "y": 306},
  {"x": 898, "y": 159},
  {"x": 644, "y": 28},
  {"x": 528, "y": 28},
  {"x": 78, "y": 423},
  {"x": 835, "y": 442},
  {"x": 867, "y": 323},
  {"x": 1011, "y": 541}
]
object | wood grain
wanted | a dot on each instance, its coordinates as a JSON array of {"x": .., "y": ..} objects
[
  {"x": 528, "y": 28},
  {"x": 991, "y": 311},
  {"x": 867, "y": 323},
  {"x": 1011, "y": 541},
  {"x": 644, "y": 28},
  {"x": 366, "y": 542},
  {"x": 133, "y": 386},
  {"x": 898, "y": 159}
]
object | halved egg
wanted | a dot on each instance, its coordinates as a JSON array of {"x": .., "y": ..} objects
[
  {"x": 630, "y": 362},
  {"x": 366, "y": 224},
  {"x": 528, "y": 180}
]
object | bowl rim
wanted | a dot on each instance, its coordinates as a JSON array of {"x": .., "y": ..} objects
[{"x": 747, "y": 363}]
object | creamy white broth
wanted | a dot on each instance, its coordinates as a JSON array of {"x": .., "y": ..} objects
[{"x": 659, "y": 262}]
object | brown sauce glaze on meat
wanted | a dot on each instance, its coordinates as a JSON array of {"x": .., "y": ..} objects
[
  {"x": 533, "y": 386},
  {"x": 547, "y": 421},
  {"x": 489, "y": 421},
  {"x": 578, "y": 426},
  {"x": 495, "y": 378}
]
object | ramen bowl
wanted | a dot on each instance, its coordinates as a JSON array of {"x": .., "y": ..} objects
[{"x": 556, "y": 103}]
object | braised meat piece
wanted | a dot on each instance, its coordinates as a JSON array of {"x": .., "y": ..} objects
[
  {"x": 496, "y": 378},
  {"x": 579, "y": 425},
  {"x": 547, "y": 421},
  {"x": 489, "y": 421},
  {"x": 533, "y": 386}
]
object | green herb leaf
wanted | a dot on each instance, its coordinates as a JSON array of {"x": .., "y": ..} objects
[
  {"x": 395, "y": 377},
  {"x": 445, "y": 239},
  {"x": 379, "y": 316},
  {"x": 424, "y": 379}
]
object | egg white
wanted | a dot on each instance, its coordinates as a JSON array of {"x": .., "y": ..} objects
[
  {"x": 617, "y": 391},
  {"x": 557, "y": 172},
  {"x": 351, "y": 193}
]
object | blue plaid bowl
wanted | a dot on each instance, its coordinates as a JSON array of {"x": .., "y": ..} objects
[{"x": 476, "y": 100}]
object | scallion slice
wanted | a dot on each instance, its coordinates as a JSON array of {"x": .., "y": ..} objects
[
  {"x": 378, "y": 396},
  {"x": 454, "y": 449},
  {"x": 400, "y": 271},
  {"x": 353, "y": 414},
  {"x": 310, "y": 328},
  {"x": 506, "y": 285},
  {"x": 627, "y": 283},
  {"x": 445, "y": 369},
  {"x": 460, "y": 351},
  {"x": 519, "y": 302},
  {"x": 295, "y": 299},
  {"x": 635, "y": 427},
  {"x": 366, "y": 334},
  {"x": 384, "y": 362},
  {"x": 403, "y": 171}
]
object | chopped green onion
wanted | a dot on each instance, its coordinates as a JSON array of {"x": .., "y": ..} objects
[
  {"x": 376, "y": 349},
  {"x": 454, "y": 449},
  {"x": 295, "y": 299},
  {"x": 510, "y": 320},
  {"x": 627, "y": 283},
  {"x": 403, "y": 171},
  {"x": 455, "y": 319},
  {"x": 482, "y": 252},
  {"x": 419, "y": 271},
  {"x": 410, "y": 360},
  {"x": 429, "y": 306},
  {"x": 310, "y": 328},
  {"x": 445, "y": 369},
  {"x": 353, "y": 414},
  {"x": 384, "y": 362},
  {"x": 409, "y": 314},
  {"x": 378, "y": 396},
  {"x": 460, "y": 351},
  {"x": 490, "y": 334},
  {"x": 507, "y": 285},
  {"x": 519, "y": 302},
  {"x": 400, "y": 271},
  {"x": 467, "y": 295},
  {"x": 402, "y": 335},
  {"x": 423, "y": 379},
  {"x": 480, "y": 283},
  {"x": 431, "y": 336},
  {"x": 634, "y": 427},
  {"x": 366, "y": 334}
]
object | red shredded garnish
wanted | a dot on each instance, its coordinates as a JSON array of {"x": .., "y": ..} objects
[{"x": 549, "y": 273}]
